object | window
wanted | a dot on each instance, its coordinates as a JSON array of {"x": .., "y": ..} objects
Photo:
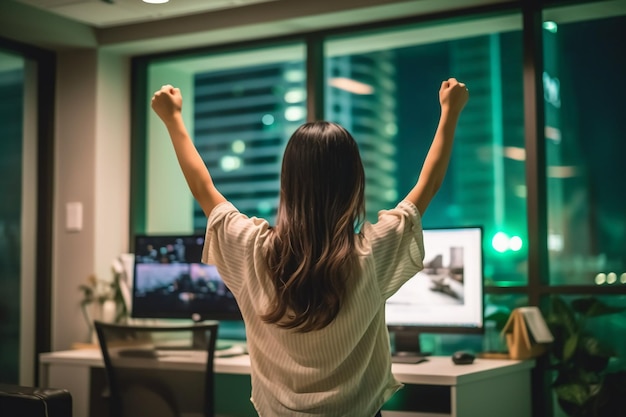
[
  {"x": 11, "y": 147},
  {"x": 19, "y": 228},
  {"x": 383, "y": 86},
  {"x": 240, "y": 108},
  {"x": 585, "y": 147}
]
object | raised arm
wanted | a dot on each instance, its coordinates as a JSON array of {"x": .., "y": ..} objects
[
  {"x": 167, "y": 104},
  {"x": 452, "y": 97}
]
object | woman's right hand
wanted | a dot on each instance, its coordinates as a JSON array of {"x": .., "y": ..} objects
[
  {"x": 167, "y": 102},
  {"x": 453, "y": 96}
]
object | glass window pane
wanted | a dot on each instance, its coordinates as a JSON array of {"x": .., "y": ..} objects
[
  {"x": 12, "y": 74},
  {"x": 383, "y": 87},
  {"x": 240, "y": 108},
  {"x": 585, "y": 131}
]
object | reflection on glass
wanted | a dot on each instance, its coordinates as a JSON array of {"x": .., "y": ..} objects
[
  {"x": 11, "y": 147},
  {"x": 584, "y": 112},
  {"x": 382, "y": 86}
]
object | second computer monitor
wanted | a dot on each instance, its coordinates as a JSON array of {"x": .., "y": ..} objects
[
  {"x": 447, "y": 295},
  {"x": 171, "y": 282}
]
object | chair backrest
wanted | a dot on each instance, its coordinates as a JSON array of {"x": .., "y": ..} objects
[{"x": 144, "y": 374}]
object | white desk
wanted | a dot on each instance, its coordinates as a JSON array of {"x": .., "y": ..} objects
[{"x": 436, "y": 388}]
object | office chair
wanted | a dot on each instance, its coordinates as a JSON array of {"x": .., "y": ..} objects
[{"x": 146, "y": 369}]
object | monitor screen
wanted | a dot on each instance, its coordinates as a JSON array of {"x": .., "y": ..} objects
[
  {"x": 447, "y": 295},
  {"x": 170, "y": 282}
]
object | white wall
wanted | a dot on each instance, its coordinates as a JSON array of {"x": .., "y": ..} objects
[
  {"x": 92, "y": 168},
  {"x": 75, "y": 130}
]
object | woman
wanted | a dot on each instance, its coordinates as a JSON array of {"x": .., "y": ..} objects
[{"x": 312, "y": 289}]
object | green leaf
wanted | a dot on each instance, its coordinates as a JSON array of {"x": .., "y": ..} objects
[
  {"x": 585, "y": 377},
  {"x": 574, "y": 393},
  {"x": 569, "y": 347},
  {"x": 593, "y": 347},
  {"x": 561, "y": 315}
]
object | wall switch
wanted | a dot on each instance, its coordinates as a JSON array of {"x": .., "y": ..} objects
[{"x": 74, "y": 217}]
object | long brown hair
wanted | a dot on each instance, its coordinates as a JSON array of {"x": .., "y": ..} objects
[{"x": 312, "y": 250}]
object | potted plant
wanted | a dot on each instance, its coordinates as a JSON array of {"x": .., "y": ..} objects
[
  {"x": 103, "y": 299},
  {"x": 585, "y": 384}
]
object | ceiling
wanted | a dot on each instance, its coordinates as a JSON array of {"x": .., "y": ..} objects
[{"x": 110, "y": 13}]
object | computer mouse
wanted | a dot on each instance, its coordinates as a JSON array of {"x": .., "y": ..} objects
[{"x": 463, "y": 357}]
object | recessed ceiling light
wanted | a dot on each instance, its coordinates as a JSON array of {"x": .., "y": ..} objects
[{"x": 156, "y": 1}]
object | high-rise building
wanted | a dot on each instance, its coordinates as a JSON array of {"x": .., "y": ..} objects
[{"x": 244, "y": 117}]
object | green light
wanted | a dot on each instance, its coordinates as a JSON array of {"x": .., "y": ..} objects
[
  {"x": 238, "y": 146},
  {"x": 500, "y": 242},
  {"x": 550, "y": 26},
  {"x": 267, "y": 119},
  {"x": 515, "y": 243}
]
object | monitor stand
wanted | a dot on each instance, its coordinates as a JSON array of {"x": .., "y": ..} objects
[{"x": 406, "y": 346}]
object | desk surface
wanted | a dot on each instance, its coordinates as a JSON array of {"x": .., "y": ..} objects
[{"x": 438, "y": 370}]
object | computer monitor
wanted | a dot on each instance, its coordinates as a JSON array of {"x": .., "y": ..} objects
[
  {"x": 170, "y": 282},
  {"x": 446, "y": 296}
]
